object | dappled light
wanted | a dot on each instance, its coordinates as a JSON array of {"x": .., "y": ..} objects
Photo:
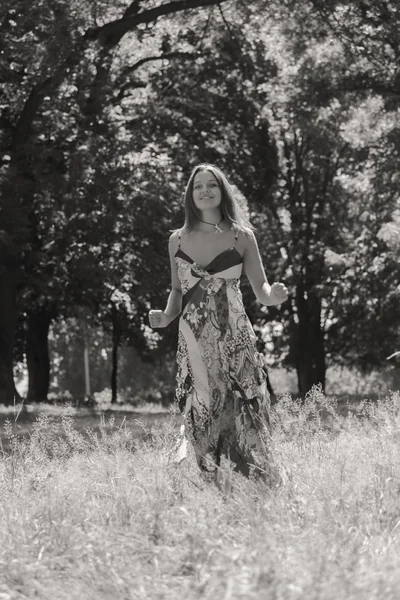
[{"x": 218, "y": 419}]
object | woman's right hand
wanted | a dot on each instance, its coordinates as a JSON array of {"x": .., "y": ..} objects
[{"x": 158, "y": 318}]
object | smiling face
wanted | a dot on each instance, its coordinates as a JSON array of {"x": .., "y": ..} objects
[{"x": 206, "y": 191}]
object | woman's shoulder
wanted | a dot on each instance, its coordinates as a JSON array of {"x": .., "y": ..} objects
[
  {"x": 174, "y": 238},
  {"x": 176, "y": 234},
  {"x": 246, "y": 234},
  {"x": 245, "y": 239}
]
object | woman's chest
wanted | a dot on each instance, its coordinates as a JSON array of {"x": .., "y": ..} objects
[{"x": 203, "y": 250}]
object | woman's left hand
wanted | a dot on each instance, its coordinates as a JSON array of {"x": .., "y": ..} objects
[{"x": 279, "y": 293}]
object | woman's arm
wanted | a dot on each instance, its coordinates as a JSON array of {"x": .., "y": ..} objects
[
  {"x": 162, "y": 318},
  {"x": 174, "y": 303},
  {"x": 254, "y": 269}
]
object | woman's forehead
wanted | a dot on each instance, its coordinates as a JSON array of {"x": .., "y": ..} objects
[{"x": 204, "y": 176}]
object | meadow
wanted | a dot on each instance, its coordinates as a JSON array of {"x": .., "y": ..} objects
[{"x": 105, "y": 513}]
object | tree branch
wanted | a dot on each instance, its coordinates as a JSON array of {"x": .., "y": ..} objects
[
  {"x": 109, "y": 34},
  {"x": 112, "y": 33},
  {"x": 165, "y": 56},
  {"x": 133, "y": 8},
  {"x": 121, "y": 80}
]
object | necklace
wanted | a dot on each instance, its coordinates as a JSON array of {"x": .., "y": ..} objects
[{"x": 217, "y": 229}]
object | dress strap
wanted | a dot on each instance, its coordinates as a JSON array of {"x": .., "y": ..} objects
[
  {"x": 179, "y": 239},
  {"x": 236, "y": 236}
]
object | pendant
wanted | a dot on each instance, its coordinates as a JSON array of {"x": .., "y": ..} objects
[{"x": 217, "y": 229}]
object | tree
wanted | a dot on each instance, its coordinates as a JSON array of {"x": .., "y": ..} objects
[
  {"x": 8, "y": 258},
  {"x": 369, "y": 33},
  {"x": 65, "y": 58},
  {"x": 114, "y": 112},
  {"x": 359, "y": 40}
]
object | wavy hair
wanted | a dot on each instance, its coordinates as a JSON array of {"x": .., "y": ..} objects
[{"x": 233, "y": 204}]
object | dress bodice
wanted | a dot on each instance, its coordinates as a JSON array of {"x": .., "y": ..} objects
[{"x": 226, "y": 265}]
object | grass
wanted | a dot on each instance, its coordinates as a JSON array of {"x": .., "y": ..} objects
[
  {"x": 98, "y": 419},
  {"x": 100, "y": 515}
]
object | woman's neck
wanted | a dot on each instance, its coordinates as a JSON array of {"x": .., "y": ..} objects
[
  {"x": 211, "y": 216},
  {"x": 212, "y": 226}
]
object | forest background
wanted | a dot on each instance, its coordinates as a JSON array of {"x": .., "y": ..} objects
[{"x": 105, "y": 109}]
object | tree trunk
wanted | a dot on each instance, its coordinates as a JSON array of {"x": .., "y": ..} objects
[
  {"x": 37, "y": 355},
  {"x": 86, "y": 367},
  {"x": 272, "y": 395},
  {"x": 310, "y": 360},
  {"x": 8, "y": 316},
  {"x": 115, "y": 341}
]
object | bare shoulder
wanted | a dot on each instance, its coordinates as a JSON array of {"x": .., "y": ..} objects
[
  {"x": 246, "y": 239},
  {"x": 174, "y": 237},
  {"x": 174, "y": 240}
]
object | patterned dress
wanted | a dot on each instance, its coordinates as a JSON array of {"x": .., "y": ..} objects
[{"x": 221, "y": 383}]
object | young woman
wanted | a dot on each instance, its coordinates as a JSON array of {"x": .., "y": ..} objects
[{"x": 221, "y": 385}]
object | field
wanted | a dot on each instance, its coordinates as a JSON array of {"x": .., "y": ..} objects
[{"x": 105, "y": 514}]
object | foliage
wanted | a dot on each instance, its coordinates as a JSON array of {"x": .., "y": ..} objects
[
  {"x": 338, "y": 165},
  {"x": 107, "y": 106},
  {"x": 66, "y": 155},
  {"x": 140, "y": 380}
]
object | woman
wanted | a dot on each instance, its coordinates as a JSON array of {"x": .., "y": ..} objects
[{"x": 221, "y": 385}]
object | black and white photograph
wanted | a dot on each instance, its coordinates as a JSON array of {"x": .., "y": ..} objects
[{"x": 199, "y": 299}]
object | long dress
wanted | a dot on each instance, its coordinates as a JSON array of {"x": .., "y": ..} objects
[{"x": 221, "y": 383}]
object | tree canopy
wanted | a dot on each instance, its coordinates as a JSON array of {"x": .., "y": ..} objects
[{"x": 105, "y": 109}]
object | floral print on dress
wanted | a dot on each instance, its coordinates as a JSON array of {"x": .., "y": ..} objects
[{"x": 221, "y": 385}]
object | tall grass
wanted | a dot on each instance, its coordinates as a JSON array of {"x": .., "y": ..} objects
[{"x": 104, "y": 517}]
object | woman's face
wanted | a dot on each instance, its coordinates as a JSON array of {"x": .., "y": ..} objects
[{"x": 206, "y": 192}]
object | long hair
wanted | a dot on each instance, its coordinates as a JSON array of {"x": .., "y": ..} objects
[{"x": 233, "y": 205}]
